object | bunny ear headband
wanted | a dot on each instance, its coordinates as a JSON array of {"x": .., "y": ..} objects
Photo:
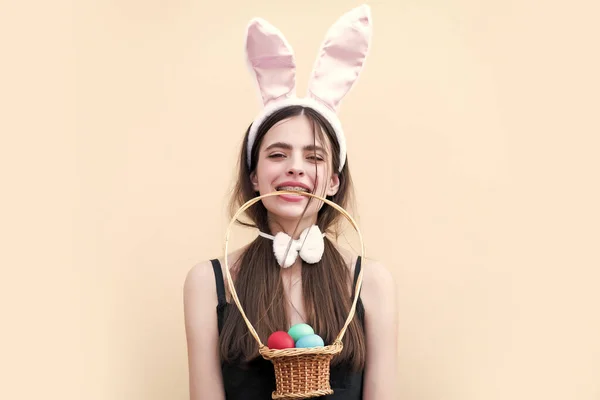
[{"x": 338, "y": 65}]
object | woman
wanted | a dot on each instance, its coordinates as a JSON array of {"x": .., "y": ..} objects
[{"x": 294, "y": 144}]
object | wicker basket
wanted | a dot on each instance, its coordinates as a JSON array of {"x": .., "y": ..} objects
[{"x": 300, "y": 373}]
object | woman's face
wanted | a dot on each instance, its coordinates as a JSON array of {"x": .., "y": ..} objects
[{"x": 289, "y": 160}]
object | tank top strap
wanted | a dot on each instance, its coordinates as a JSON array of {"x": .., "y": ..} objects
[
  {"x": 357, "y": 268},
  {"x": 219, "y": 282}
]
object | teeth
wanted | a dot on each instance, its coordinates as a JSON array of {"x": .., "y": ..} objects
[{"x": 296, "y": 188}]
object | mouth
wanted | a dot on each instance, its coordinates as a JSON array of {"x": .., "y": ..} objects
[
  {"x": 293, "y": 188},
  {"x": 294, "y": 198}
]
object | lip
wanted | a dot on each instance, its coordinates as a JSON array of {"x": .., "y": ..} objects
[
  {"x": 292, "y": 198},
  {"x": 292, "y": 183}
]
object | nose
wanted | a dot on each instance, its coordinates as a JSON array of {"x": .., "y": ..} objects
[
  {"x": 296, "y": 168},
  {"x": 295, "y": 171}
]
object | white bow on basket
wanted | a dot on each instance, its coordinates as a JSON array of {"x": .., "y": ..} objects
[{"x": 310, "y": 246}]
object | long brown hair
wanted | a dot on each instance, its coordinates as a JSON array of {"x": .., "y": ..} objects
[{"x": 257, "y": 279}]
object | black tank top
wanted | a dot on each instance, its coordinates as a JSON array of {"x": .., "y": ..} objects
[{"x": 255, "y": 380}]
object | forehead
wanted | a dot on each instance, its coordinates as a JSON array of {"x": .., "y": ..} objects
[{"x": 296, "y": 130}]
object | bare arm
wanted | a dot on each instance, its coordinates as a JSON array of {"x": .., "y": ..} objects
[
  {"x": 200, "y": 301},
  {"x": 381, "y": 320}
]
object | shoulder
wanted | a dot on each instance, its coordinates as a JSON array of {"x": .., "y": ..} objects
[
  {"x": 377, "y": 279},
  {"x": 200, "y": 280},
  {"x": 378, "y": 284},
  {"x": 199, "y": 285},
  {"x": 376, "y": 271},
  {"x": 350, "y": 258}
]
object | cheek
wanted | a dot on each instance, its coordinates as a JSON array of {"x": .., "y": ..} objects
[{"x": 266, "y": 174}]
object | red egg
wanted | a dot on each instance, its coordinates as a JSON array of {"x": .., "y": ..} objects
[{"x": 280, "y": 340}]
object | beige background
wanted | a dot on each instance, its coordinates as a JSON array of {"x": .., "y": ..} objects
[{"x": 473, "y": 140}]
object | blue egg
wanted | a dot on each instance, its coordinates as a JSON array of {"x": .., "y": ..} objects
[{"x": 310, "y": 341}]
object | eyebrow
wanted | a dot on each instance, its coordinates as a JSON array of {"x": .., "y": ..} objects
[{"x": 287, "y": 146}]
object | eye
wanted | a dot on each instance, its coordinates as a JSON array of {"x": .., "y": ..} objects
[
  {"x": 276, "y": 155},
  {"x": 316, "y": 158}
]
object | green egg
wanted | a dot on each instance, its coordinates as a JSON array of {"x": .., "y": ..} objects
[{"x": 299, "y": 330}]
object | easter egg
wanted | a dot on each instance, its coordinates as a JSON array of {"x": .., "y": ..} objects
[
  {"x": 299, "y": 330},
  {"x": 280, "y": 340},
  {"x": 310, "y": 341}
]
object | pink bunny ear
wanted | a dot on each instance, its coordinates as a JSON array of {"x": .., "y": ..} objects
[
  {"x": 341, "y": 57},
  {"x": 271, "y": 59}
]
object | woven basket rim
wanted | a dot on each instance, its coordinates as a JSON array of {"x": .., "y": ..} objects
[
  {"x": 264, "y": 350},
  {"x": 331, "y": 349}
]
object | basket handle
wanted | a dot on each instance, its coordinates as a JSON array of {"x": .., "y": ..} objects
[{"x": 254, "y": 200}]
